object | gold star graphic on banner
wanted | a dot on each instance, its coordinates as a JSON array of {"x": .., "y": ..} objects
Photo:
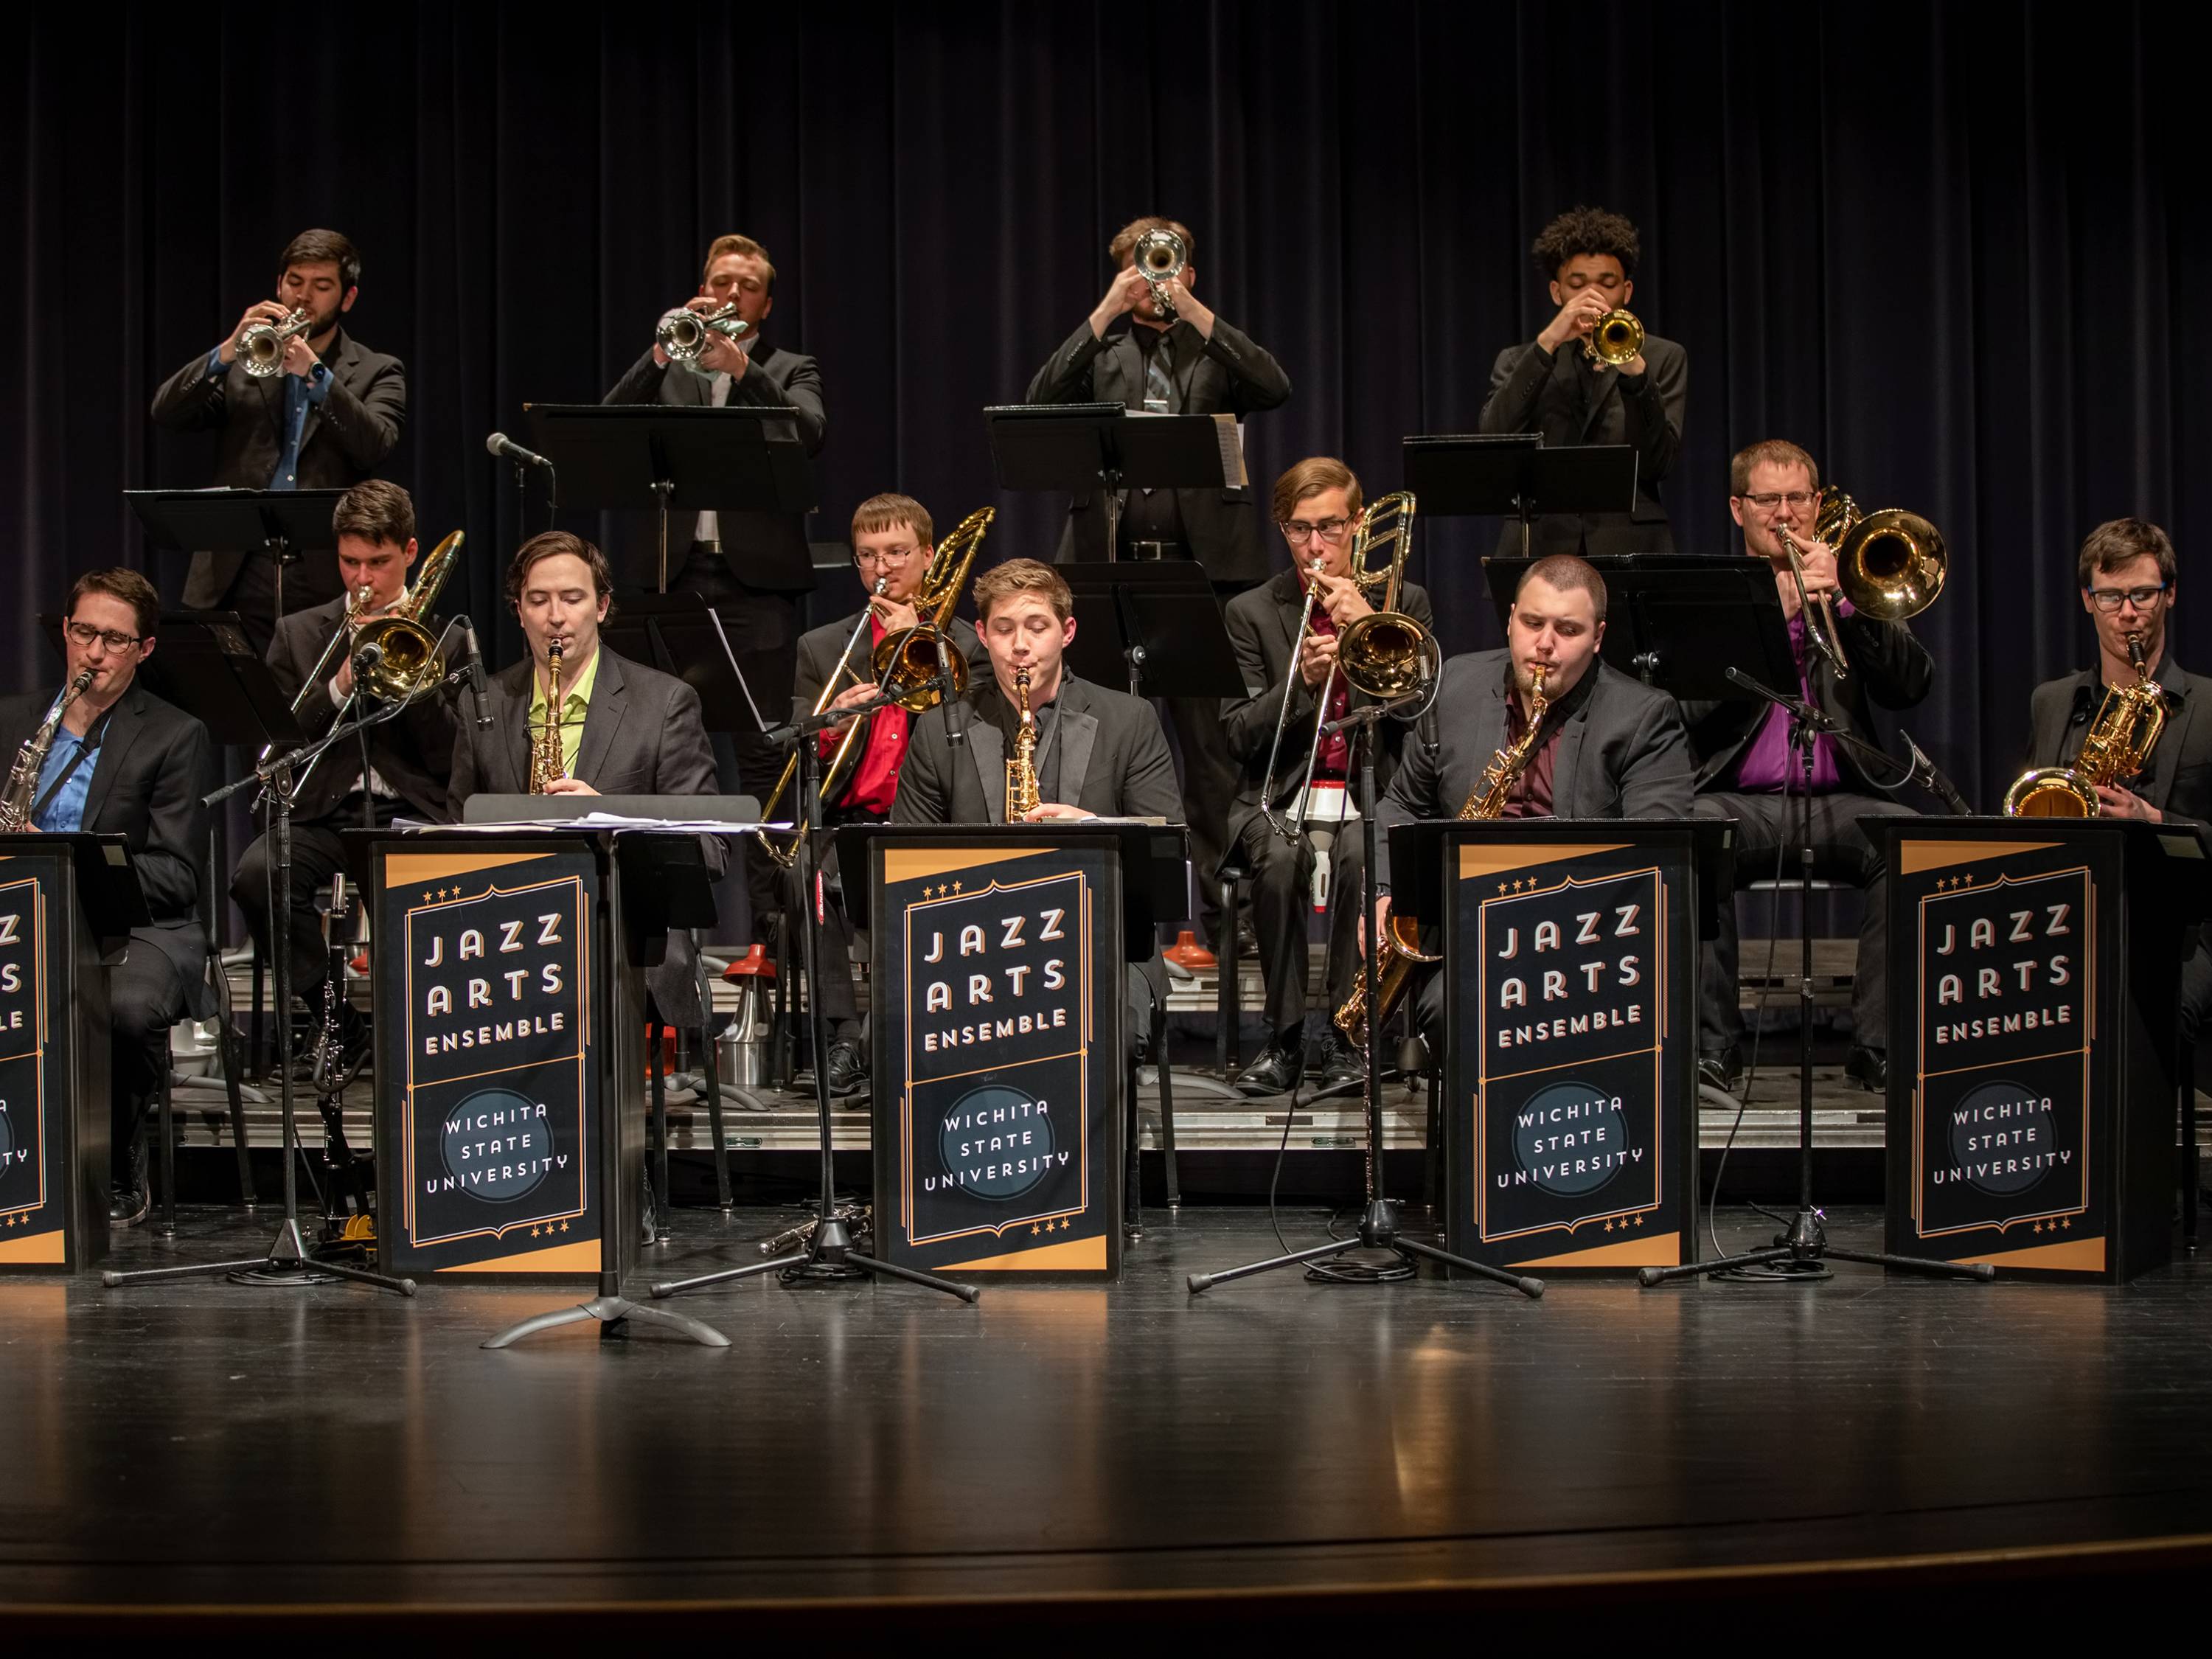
[
  {"x": 564, "y": 1226},
  {"x": 2039, "y": 1227},
  {"x": 426, "y": 896},
  {"x": 2067, "y": 1222},
  {"x": 1968, "y": 878},
  {"x": 1033, "y": 1230},
  {"x": 1501, "y": 887},
  {"x": 1608, "y": 1226},
  {"x": 956, "y": 886}
]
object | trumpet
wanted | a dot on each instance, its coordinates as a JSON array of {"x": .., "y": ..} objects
[
  {"x": 1384, "y": 655},
  {"x": 1615, "y": 339},
  {"x": 1160, "y": 254},
  {"x": 2117, "y": 747},
  {"x": 684, "y": 333},
  {"x": 261, "y": 348}
]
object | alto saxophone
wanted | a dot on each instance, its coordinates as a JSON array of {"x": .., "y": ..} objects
[
  {"x": 1401, "y": 940},
  {"x": 22, "y": 793},
  {"x": 546, "y": 766},
  {"x": 1021, "y": 770}
]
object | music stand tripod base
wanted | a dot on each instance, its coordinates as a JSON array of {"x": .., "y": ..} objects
[{"x": 613, "y": 1313}]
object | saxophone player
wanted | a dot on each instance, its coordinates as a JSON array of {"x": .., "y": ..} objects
[
  {"x": 122, "y": 761},
  {"x": 2129, "y": 579},
  {"x": 894, "y": 539},
  {"x": 1605, "y": 747},
  {"x": 410, "y": 760},
  {"x": 1317, "y": 507}
]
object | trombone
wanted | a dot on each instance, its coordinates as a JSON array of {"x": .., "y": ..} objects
[
  {"x": 1385, "y": 655},
  {"x": 1890, "y": 565}
]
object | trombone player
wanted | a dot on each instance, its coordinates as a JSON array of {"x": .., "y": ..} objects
[
  {"x": 409, "y": 759},
  {"x": 1745, "y": 770},
  {"x": 1317, "y": 506},
  {"x": 893, "y": 543}
]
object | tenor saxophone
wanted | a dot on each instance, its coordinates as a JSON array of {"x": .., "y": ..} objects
[
  {"x": 1401, "y": 940},
  {"x": 22, "y": 794},
  {"x": 1021, "y": 770}
]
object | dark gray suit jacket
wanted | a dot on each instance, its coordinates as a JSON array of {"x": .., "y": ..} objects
[
  {"x": 1889, "y": 667},
  {"x": 155, "y": 764},
  {"x": 643, "y": 735},
  {"x": 764, "y": 549},
  {"x": 1534, "y": 391},
  {"x": 1622, "y": 753},
  {"x": 414, "y": 754},
  {"x": 1114, "y": 761},
  {"x": 2179, "y": 781},
  {"x": 343, "y": 442},
  {"x": 1263, "y": 626},
  {"x": 1225, "y": 374}
]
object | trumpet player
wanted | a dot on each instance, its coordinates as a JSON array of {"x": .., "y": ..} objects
[
  {"x": 410, "y": 759},
  {"x": 1317, "y": 504},
  {"x": 1746, "y": 772},
  {"x": 2130, "y": 580},
  {"x": 311, "y": 409},
  {"x": 122, "y": 761},
  {"x": 893, "y": 541},
  {"x": 1174, "y": 357},
  {"x": 1605, "y": 744},
  {"x": 751, "y": 567},
  {"x": 1564, "y": 385}
]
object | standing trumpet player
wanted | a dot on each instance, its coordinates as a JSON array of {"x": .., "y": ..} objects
[
  {"x": 297, "y": 403},
  {"x": 119, "y": 760},
  {"x": 1582, "y": 382}
]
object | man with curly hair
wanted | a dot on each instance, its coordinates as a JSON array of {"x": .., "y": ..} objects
[{"x": 1556, "y": 387}]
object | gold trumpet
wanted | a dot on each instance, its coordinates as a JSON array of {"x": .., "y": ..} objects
[
  {"x": 1615, "y": 339},
  {"x": 2119, "y": 745}
]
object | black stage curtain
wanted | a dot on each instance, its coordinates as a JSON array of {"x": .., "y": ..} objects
[{"x": 1934, "y": 244}]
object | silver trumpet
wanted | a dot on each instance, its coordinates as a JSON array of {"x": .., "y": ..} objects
[
  {"x": 261, "y": 348},
  {"x": 1161, "y": 255},
  {"x": 684, "y": 333}
]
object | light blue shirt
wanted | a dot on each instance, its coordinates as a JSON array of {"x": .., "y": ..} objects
[
  {"x": 65, "y": 812},
  {"x": 300, "y": 396}
]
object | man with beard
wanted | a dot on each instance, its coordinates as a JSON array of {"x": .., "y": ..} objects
[{"x": 325, "y": 420}]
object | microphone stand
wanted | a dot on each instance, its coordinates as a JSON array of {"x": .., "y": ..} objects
[
  {"x": 287, "y": 1259},
  {"x": 1378, "y": 1222},
  {"x": 1801, "y": 1255},
  {"x": 826, "y": 1255}
]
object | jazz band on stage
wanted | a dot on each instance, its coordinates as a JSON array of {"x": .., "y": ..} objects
[{"x": 986, "y": 722}]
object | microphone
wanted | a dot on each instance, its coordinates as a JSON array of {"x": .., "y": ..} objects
[
  {"x": 500, "y": 445},
  {"x": 474, "y": 666},
  {"x": 956, "y": 711}
]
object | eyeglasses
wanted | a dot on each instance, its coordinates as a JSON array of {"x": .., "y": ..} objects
[
  {"x": 1329, "y": 530},
  {"x": 887, "y": 556},
  {"x": 84, "y": 633},
  {"x": 1799, "y": 499},
  {"x": 2110, "y": 598}
]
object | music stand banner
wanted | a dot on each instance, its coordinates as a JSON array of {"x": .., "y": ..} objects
[
  {"x": 1572, "y": 1103},
  {"x": 33, "y": 1131},
  {"x": 487, "y": 1102},
  {"x": 998, "y": 1042}
]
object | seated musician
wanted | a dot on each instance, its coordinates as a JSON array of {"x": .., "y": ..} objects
[
  {"x": 1608, "y": 746},
  {"x": 623, "y": 729},
  {"x": 1317, "y": 508},
  {"x": 2130, "y": 580},
  {"x": 1745, "y": 771},
  {"x": 409, "y": 758},
  {"x": 893, "y": 541},
  {"x": 124, "y": 762}
]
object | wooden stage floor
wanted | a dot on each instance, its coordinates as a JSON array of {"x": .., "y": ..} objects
[{"x": 1079, "y": 1463}]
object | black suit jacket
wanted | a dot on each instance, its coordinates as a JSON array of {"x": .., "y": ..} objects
[
  {"x": 1114, "y": 760},
  {"x": 414, "y": 753},
  {"x": 1532, "y": 390},
  {"x": 1889, "y": 667},
  {"x": 1263, "y": 626},
  {"x": 1622, "y": 750},
  {"x": 1225, "y": 374},
  {"x": 2180, "y": 779},
  {"x": 643, "y": 735},
  {"x": 343, "y": 442},
  {"x": 764, "y": 549},
  {"x": 155, "y": 764}
]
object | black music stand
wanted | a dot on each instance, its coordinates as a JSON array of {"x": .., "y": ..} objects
[
  {"x": 281, "y": 524},
  {"x": 1075, "y": 448},
  {"x": 1511, "y": 475},
  {"x": 1156, "y": 627},
  {"x": 747, "y": 457},
  {"x": 679, "y": 634}
]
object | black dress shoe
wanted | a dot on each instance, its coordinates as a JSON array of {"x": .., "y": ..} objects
[
  {"x": 1869, "y": 1067},
  {"x": 1723, "y": 1071},
  {"x": 1276, "y": 1072},
  {"x": 1340, "y": 1062},
  {"x": 848, "y": 1074}
]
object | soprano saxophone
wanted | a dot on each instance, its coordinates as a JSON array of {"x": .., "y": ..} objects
[
  {"x": 1021, "y": 770},
  {"x": 15, "y": 806}
]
